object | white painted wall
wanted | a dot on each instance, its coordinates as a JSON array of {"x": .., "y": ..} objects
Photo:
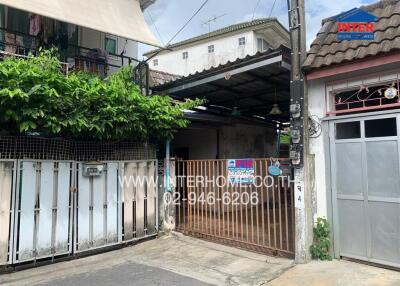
[
  {"x": 316, "y": 97},
  {"x": 225, "y": 49},
  {"x": 94, "y": 39}
]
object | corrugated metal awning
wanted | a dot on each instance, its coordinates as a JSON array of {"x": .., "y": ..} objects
[
  {"x": 251, "y": 85},
  {"x": 122, "y": 18}
]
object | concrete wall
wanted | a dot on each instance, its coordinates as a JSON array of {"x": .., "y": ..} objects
[
  {"x": 202, "y": 143},
  {"x": 235, "y": 142},
  {"x": 247, "y": 141},
  {"x": 225, "y": 49}
]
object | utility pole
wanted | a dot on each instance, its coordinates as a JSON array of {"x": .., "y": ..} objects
[{"x": 299, "y": 152}]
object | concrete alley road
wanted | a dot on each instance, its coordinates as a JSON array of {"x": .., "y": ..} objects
[
  {"x": 126, "y": 274},
  {"x": 180, "y": 260},
  {"x": 169, "y": 260}
]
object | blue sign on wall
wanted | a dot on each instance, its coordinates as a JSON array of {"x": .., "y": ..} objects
[{"x": 356, "y": 24}]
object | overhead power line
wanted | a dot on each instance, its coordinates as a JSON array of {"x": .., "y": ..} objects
[
  {"x": 270, "y": 12},
  {"x": 188, "y": 21},
  {"x": 155, "y": 27},
  {"x": 255, "y": 8},
  {"x": 181, "y": 29},
  {"x": 272, "y": 9}
]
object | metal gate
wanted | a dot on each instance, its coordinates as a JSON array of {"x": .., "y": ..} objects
[
  {"x": 42, "y": 212},
  {"x": 366, "y": 188},
  {"x": 256, "y": 216},
  {"x": 109, "y": 213},
  {"x": 97, "y": 213},
  {"x": 49, "y": 208},
  {"x": 7, "y": 184},
  {"x": 140, "y": 200}
]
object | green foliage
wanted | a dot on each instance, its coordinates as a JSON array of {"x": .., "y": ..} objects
[
  {"x": 322, "y": 243},
  {"x": 285, "y": 138},
  {"x": 35, "y": 96}
]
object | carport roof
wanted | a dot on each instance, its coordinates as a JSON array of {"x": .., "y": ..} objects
[{"x": 252, "y": 85}]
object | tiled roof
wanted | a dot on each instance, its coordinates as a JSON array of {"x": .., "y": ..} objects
[
  {"x": 225, "y": 30},
  {"x": 326, "y": 50},
  {"x": 160, "y": 78}
]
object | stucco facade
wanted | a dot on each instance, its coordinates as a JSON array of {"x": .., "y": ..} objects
[
  {"x": 204, "y": 52},
  {"x": 199, "y": 58}
]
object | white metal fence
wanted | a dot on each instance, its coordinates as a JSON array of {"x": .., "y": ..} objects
[{"x": 49, "y": 208}]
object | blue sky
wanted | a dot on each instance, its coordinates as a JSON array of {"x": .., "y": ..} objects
[{"x": 168, "y": 16}]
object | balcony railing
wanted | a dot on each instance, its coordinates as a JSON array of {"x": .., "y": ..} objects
[{"x": 76, "y": 58}]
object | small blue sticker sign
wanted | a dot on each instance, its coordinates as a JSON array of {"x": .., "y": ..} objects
[
  {"x": 274, "y": 169},
  {"x": 356, "y": 24}
]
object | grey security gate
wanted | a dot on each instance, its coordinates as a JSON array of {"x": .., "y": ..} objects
[{"x": 366, "y": 188}]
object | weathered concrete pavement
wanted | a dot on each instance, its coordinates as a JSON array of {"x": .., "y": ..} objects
[
  {"x": 169, "y": 260},
  {"x": 180, "y": 260},
  {"x": 337, "y": 273}
]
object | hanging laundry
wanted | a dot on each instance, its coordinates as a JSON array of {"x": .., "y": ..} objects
[
  {"x": 71, "y": 30},
  {"x": 10, "y": 43},
  {"x": 48, "y": 30},
  {"x": 34, "y": 24}
]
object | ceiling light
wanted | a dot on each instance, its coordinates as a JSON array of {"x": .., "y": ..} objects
[
  {"x": 235, "y": 111},
  {"x": 275, "y": 110}
]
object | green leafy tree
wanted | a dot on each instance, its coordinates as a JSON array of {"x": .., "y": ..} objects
[{"x": 35, "y": 96}]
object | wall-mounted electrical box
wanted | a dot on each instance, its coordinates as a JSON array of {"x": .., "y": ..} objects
[
  {"x": 295, "y": 135},
  {"x": 295, "y": 110},
  {"x": 295, "y": 157},
  {"x": 93, "y": 169}
]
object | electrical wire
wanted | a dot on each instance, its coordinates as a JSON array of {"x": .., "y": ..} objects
[
  {"x": 255, "y": 8},
  {"x": 272, "y": 9},
  {"x": 270, "y": 12},
  {"x": 155, "y": 26},
  {"x": 187, "y": 23},
  {"x": 181, "y": 29},
  {"x": 314, "y": 126}
]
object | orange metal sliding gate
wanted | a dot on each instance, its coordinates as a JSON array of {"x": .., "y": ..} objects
[{"x": 257, "y": 217}]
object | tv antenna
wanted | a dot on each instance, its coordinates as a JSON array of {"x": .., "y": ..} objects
[{"x": 211, "y": 20}]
